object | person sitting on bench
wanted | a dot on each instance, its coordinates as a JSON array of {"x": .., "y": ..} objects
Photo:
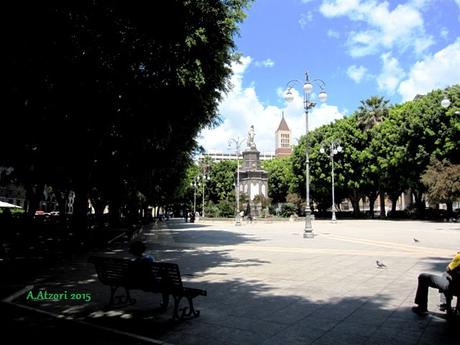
[
  {"x": 137, "y": 249},
  {"x": 442, "y": 282},
  {"x": 141, "y": 272}
]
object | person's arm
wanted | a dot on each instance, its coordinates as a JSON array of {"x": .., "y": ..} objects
[{"x": 454, "y": 265}]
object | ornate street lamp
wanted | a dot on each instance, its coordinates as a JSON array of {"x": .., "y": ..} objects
[
  {"x": 308, "y": 104},
  {"x": 194, "y": 185},
  {"x": 333, "y": 149},
  {"x": 204, "y": 178},
  {"x": 237, "y": 142},
  {"x": 445, "y": 101}
]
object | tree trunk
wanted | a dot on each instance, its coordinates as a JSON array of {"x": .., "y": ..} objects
[
  {"x": 450, "y": 208},
  {"x": 99, "y": 207},
  {"x": 372, "y": 197},
  {"x": 33, "y": 198},
  {"x": 355, "y": 202},
  {"x": 382, "y": 204},
  {"x": 394, "y": 200},
  {"x": 114, "y": 213},
  {"x": 61, "y": 200},
  {"x": 419, "y": 203},
  {"x": 371, "y": 207},
  {"x": 393, "y": 204},
  {"x": 80, "y": 210}
]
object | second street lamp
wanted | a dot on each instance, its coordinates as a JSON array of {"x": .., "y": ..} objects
[
  {"x": 205, "y": 178},
  {"x": 237, "y": 142},
  {"x": 194, "y": 185},
  {"x": 333, "y": 148},
  {"x": 308, "y": 104}
]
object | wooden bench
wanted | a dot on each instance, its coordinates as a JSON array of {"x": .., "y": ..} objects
[{"x": 156, "y": 277}]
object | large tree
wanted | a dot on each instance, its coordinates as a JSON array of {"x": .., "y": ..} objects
[
  {"x": 101, "y": 96},
  {"x": 280, "y": 178},
  {"x": 370, "y": 113},
  {"x": 442, "y": 180}
]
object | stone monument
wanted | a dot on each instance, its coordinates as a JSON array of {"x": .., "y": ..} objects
[{"x": 253, "y": 179}]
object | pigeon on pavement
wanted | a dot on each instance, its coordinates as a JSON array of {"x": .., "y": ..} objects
[{"x": 380, "y": 264}]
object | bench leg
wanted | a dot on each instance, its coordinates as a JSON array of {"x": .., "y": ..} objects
[
  {"x": 187, "y": 311},
  {"x": 113, "y": 289},
  {"x": 190, "y": 310},
  {"x": 123, "y": 299}
]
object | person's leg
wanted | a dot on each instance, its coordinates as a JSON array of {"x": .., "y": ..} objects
[
  {"x": 445, "y": 296},
  {"x": 426, "y": 280}
]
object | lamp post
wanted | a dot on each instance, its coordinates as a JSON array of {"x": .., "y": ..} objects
[
  {"x": 308, "y": 104},
  {"x": 237, "y": 142},
  {"x": 204, "y": 178},
  {"x": 445, "y": 103},
  {"x": 194, "y": 184},
  {"x": 334, "y": 148}
]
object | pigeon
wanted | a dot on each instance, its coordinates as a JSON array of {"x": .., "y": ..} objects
[
  {"x": 380, "y": 264},
  {"x": 415, "y": 240}
]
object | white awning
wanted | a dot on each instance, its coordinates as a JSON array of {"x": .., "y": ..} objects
[{"x": 8, "y": 205}]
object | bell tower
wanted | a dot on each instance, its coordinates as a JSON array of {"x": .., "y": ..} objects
[{"x": 283, "y": 139}]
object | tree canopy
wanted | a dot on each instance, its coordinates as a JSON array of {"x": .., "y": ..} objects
[{"x": 100, "y": 96}]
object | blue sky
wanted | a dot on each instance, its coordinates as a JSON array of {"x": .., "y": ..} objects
[{"x": 396, "y": 49}]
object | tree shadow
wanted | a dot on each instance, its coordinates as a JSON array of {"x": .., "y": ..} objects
[
  {"x": 240, "y": 311},
  {"x": 242, "y": 308}
]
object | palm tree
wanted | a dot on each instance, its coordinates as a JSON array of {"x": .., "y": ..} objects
[{"x": 372, "y": 111}]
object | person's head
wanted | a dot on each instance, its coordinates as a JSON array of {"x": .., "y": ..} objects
[{"x": 137, "y": 248}]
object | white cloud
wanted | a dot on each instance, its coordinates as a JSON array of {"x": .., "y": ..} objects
[
  {"x": 356, "y": 73},
  {"x": 339, "y": 8},
  {"x": 363, "y": 43},
  {"x": 421, "y": 44},
  {"x": 333, "y": 33},
  {"x": 241, "y": 108},
  {"x": 305, "y": 18},
  {"x": 434, "y": 71},
  {"x": 391, "y": 74},
  {"x": 265, "y": 63},
  {"x": 444, "y": 33},
  {"x": 402, "y": 27}
]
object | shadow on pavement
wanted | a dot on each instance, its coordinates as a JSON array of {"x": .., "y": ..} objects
[{"x": 236, "y": 311}]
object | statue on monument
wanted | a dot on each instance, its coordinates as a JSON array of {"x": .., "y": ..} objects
[{"x": 251, "y": 135}]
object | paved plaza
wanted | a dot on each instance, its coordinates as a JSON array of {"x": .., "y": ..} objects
[{"x": 268, "y": 285}]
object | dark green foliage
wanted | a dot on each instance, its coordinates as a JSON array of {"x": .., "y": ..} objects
[
  {"x": 288, "y": 210},
  {"x": 280, "y": 177},
  {"x": 442, "y": 180},
  {"x": 102, "y": 97}
]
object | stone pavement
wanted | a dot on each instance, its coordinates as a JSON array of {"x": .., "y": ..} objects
[{"x": 268, "y": 285}]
